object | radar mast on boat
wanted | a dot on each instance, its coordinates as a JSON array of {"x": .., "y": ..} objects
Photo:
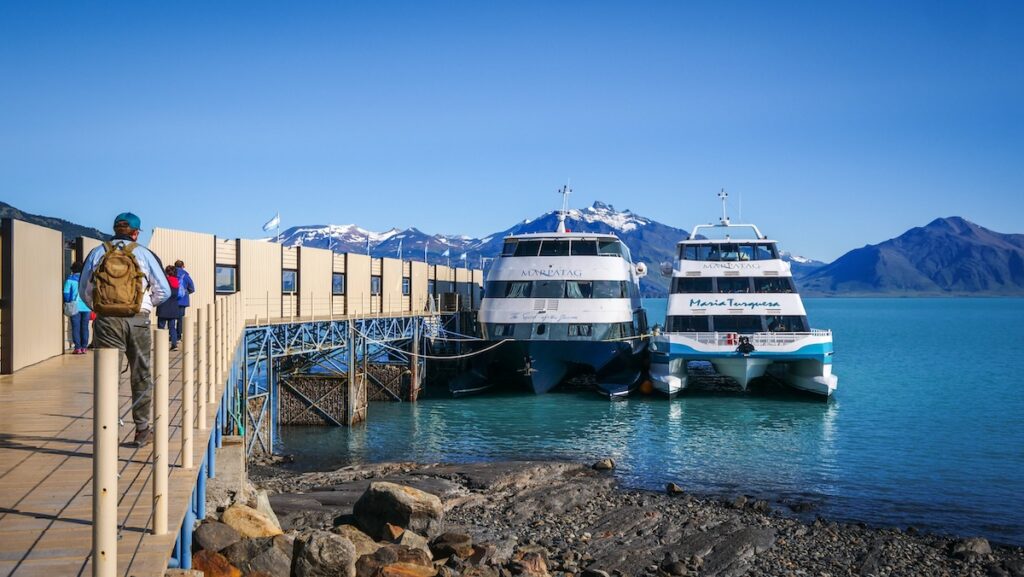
[{"x": 565, "y": 191}]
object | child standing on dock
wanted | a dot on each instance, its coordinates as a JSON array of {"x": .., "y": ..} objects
[
  {"x": 79, "y": 320},
  {"x": 123, "y": 282}
]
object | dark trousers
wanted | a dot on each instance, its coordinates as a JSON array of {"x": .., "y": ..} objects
[
  {"x": 173, "y": 326},
  {"x": 178, "y": 321},
  {"x": 80, "y": 330},
  {"x": 133, "y": 337}
]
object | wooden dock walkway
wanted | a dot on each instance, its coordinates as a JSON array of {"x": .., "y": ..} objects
[{"x": 46, "y": 473}]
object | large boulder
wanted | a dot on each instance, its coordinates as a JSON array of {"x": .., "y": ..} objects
[
  {"x": 971, "y": 548},
  {"x": 448, "y": 544},
  {"x": 363, "y": 543},
  {"x": 213, "y": 564},
  {"x": 215, "y": 536},
  {"x": 324, "y": 554},
  {"x": 395, "y": 561},
  {"x": 400, "y": 505},
  {"x": 268, "y": 555},
  {"x": 262, "y": 504},
  {"x": 415, "y": 541},
  {"x": 249, "y": 522}
]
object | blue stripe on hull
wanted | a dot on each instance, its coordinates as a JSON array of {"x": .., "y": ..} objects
[{"x": 821, "y": 352}]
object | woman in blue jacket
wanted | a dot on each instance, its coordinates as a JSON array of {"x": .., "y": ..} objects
[{"x": 80, "y": 321}]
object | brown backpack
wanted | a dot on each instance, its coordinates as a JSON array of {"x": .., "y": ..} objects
[{"x": 117, "y": 282}]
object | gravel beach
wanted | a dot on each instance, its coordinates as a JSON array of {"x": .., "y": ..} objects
[{"x": 563, "y": 518}]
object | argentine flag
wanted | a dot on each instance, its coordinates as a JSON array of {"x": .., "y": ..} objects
[{"x": 273, "y": 223}]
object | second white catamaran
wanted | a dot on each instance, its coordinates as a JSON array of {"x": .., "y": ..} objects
[{"x": 733, "y": 303}]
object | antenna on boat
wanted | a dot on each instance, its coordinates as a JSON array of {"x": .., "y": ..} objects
[
  {"x": 725, "y": 215},
  {"x": 565, "y": 192}
]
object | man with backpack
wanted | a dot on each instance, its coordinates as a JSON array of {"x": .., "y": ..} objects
[{"x": 122, "y": 282}]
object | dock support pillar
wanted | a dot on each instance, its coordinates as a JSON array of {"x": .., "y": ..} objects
[
  {"x": 160, "y": 414},
  {"x": 211, "y": 365},
  {"x": 350, "y": 406},
  {"x": 187, "y": 392},
  {"x": 202, "y": 330},
  {"x": 414, "y": 363},
  {"x": 104, "y": 463}
]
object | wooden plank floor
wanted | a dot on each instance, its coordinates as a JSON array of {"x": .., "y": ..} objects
[{"x": 46, "y": 473}]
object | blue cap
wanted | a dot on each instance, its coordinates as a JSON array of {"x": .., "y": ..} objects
[{"x": 129, "y": 218}]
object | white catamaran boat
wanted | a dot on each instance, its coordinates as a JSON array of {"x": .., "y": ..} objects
[
  {"x": 733, "y": 303},
  {"x": 560, "y": 303}
]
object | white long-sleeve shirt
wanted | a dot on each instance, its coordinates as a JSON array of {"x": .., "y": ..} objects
[{"x": 155, "y": 289}]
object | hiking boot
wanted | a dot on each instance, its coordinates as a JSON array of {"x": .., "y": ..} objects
[{"x": 143, "y": 437}]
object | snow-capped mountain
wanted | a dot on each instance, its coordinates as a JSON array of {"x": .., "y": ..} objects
[
  {"x": 801, "y": 266},
  {"x": 649, "y": 241}
]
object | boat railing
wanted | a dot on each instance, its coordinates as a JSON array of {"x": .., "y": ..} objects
[{"x": 757, "y": 339}]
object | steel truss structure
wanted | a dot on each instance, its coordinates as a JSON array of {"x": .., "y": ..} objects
[{"x": 329, "y": 346}]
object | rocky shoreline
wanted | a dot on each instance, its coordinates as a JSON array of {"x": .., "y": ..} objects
[{"x": 559, "y": 519}]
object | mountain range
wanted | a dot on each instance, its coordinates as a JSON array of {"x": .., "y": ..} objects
[
  {"x": 70, "y": 230},
  {"x": 949, "y": 256},
  {"x": 649, "y": 241}
]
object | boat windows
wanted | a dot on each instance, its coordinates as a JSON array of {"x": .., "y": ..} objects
[
  {"x": 767, "y": 252},
  {"x": 609, "y": 248},
  {"x": 687, "y": 324},
  {"x": 619, "y": 331},
  {"x": 611, "y": 289},
  {"x": 579, "y": 289},
  {"x": 548, "y": 289},
  {"x": 584, "y": 248},
  {"x": 509, "y": 248},
  {"x": 773, "y": 285},
  {"x": 527, "y": 248},
  {"x": 786, "y": 324},
  {"x": 541, "y": 329},
  {"x": 737, "y": 324},
  {"x": 502, "y": 330},
  {"x": 581, "y": 330},
  {"x": 728, "y": 251},
  {"x": 518, "y": 289},
  {"x": 695, "y": 252},
  {"x": 692, "y": 285},
  {"x": 734, "y": 285},
  {"x": 554, "y": 248}
]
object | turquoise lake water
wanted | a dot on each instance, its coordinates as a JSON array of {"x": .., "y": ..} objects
[{"x": 926, "y": 428}]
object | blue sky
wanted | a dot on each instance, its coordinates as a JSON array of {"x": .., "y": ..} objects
[{"x": 839, "y": 123}]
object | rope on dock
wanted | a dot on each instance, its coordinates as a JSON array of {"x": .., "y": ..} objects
[{"x": 383, "y": 344}]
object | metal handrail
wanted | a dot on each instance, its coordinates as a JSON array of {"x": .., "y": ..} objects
[{"x": 756, "y": 339}]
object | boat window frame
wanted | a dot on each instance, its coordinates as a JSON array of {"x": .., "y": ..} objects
[
  {"x": 678, "y": 285},
  {"x": 547, "y": 251},
  {"x": 762, "y": 280},
  {"x": 521, "y": 249},
  {"x": 732, "y": 279},
  {"x": 575, "y": 244}
]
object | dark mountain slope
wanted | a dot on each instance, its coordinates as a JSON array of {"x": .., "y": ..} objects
[{"x": 947, "y": 256}]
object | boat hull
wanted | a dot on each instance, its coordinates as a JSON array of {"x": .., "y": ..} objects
[
  {"x": 540, "y": 366},
  {"x": 803, "y": 363}
]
